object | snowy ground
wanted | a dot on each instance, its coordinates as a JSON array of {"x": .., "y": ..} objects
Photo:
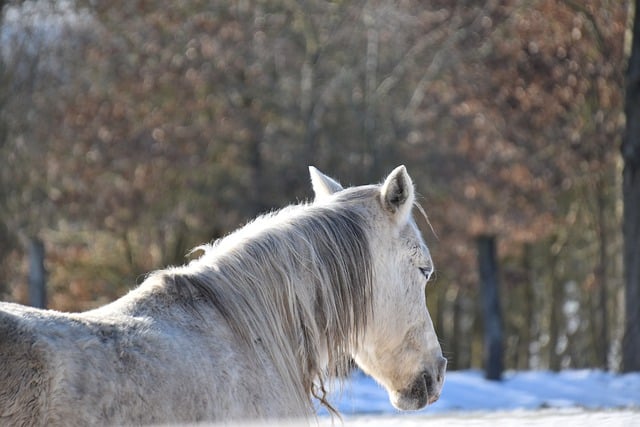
[
  {"x": 540, "y": 418},
  {"x": 569, "y": 398},
  {"x": 564, "y": 399}
]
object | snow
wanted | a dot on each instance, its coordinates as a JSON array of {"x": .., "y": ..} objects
[
  {"x": 566, "y": 398},
  {"x": 542, "y": 418}
]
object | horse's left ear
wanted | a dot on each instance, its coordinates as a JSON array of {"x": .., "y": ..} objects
[
  {"x": 397, "y": 194},
  {"x": 323, "y": 186}
]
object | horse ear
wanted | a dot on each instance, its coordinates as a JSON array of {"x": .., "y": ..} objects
[
  {"x": 323, "y": 186},
  {"x": 397, "y": 194}
]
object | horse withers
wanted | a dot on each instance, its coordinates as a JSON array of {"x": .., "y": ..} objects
[{"x": 252, "y": 329}]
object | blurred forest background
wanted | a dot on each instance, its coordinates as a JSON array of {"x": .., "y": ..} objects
[{"x": 131, "y": 131}]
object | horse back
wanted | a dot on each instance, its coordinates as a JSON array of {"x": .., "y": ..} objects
[{"x": 23, "y": 380}]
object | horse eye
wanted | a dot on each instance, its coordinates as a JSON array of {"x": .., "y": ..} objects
[{"x": 426, "y": 271}]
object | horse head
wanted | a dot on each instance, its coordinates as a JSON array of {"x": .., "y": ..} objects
[{"x": 398, "y": 347}]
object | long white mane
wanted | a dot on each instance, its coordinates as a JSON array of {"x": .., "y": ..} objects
[{"x": 285, "y": 281}]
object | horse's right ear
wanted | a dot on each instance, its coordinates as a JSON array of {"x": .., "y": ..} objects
[
  {"x": 397, "y": 194},
  {"x": 323, "y": 186}
]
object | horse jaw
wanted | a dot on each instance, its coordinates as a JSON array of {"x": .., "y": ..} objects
[{"x": 407, "y": 391}]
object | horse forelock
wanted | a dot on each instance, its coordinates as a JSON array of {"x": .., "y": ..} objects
[{"x": 296, "y": 283}]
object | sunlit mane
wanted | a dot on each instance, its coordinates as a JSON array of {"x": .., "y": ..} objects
[{"x": 254, "y": 279}]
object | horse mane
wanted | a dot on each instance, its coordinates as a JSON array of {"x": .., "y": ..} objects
[{"x": 287, "y": 279}]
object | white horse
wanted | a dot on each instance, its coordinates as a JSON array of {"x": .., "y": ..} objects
[{"x": 250, "y": 330}]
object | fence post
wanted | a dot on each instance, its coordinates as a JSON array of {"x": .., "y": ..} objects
[
  {"x": 489, "y": 289},
  {"x": 37, "y": 274}
]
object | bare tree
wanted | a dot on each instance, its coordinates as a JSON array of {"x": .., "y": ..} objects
[{"x": 631, "y": 197}]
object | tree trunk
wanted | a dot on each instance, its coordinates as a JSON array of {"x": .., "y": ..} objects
[
  {"x": 456, "y": 332},
  {"x": 631, "y": 198},
  {"x": 493, "y": 336},
  {"x": 530, "y": 329},
  {"x": 602, "y": 276},
  {"x": 555, "y": 298},
  {"x": 371, "y": 83},
  {"x": 37, "y": 274}
]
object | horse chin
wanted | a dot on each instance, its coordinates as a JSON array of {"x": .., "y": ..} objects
[{"x": 418, "y": 395}]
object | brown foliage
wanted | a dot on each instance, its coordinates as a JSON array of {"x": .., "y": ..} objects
[{"x": 178, "y": 121}]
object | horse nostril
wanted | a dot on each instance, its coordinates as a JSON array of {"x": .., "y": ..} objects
[{"x": 428, "y": 381}]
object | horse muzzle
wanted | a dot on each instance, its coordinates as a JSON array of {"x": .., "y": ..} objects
[{"x": 424, "y": 390}]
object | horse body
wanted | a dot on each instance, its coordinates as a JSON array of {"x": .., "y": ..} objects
[
  {"x": 115, "y": 367},
  {"x": 250, "y": 330}
]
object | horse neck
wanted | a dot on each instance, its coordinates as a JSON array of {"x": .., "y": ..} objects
[
  {"x": 320, "y": 265},
  {"x": 296, "y": 289}
]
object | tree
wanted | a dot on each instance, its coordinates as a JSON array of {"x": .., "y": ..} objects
[
  {"x": 175, "y": 122},
  {"x": 33, "y": 69},
  {"x": 493, "y": 336},
  {"x": 631, "y": 195},
  {"x": 4, "y": 232}
]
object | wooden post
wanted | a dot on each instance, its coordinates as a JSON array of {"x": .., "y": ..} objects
[
  {"x": 493, "y": 335},
  {"x": 37, "y": 274}
]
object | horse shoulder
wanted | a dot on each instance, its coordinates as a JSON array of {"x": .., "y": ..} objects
[
  {"x": 23, "y": 376},
  {"x": 111, "y": 366}
]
